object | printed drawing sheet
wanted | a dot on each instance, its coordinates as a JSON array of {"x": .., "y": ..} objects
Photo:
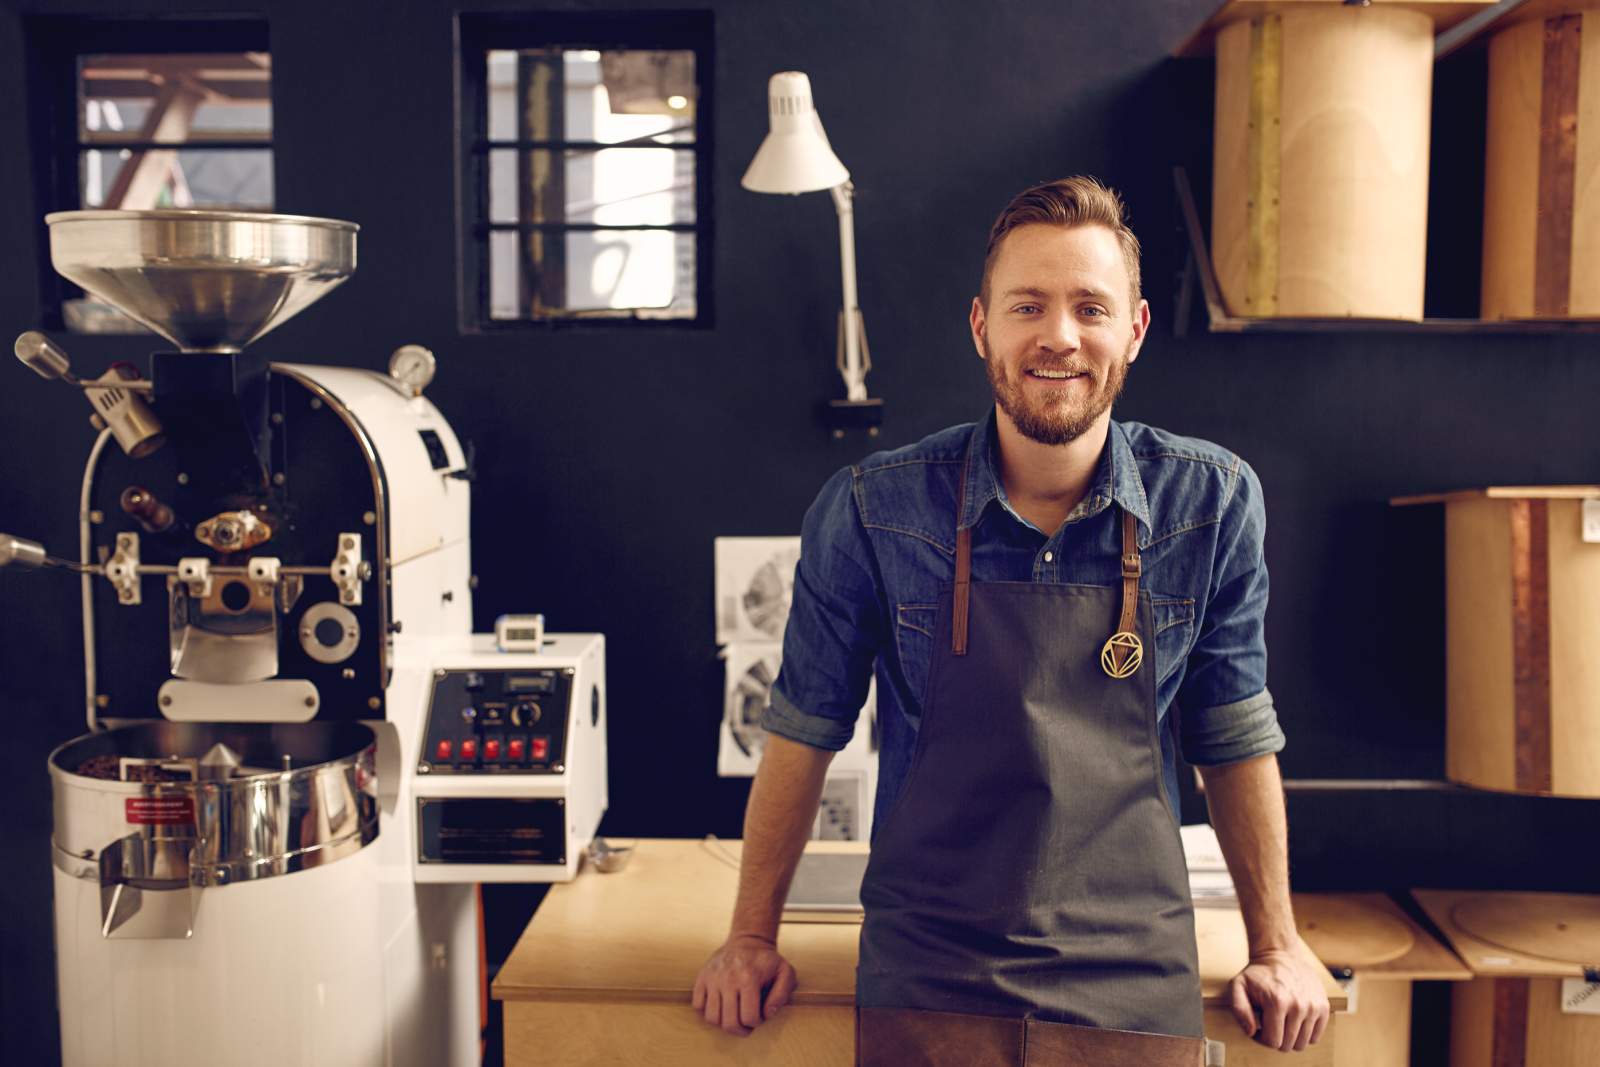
[
  {"x": 754, "y": 582},
  {"x": 754, "y": 587}
]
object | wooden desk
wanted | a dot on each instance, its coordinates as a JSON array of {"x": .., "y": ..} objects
[{"x": 604, "y": 971}]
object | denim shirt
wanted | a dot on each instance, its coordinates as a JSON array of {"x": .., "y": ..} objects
[{"x": 878, "y": 547}]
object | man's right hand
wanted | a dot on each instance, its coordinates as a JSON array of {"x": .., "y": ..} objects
[
  {"x": 729, "y": 989},
  {"x": 746, "y": 981}
]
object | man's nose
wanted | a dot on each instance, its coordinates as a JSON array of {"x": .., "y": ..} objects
[{"x": 1058, "y": 333}]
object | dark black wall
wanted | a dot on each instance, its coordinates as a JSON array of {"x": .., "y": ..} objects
[{"x": 609, "y": 459}]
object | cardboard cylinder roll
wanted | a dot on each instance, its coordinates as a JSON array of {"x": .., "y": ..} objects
[
  {"x": 1378, "y": 1032},
  {"x": 1541, "y": 225},
  {"x": 1320, "y": 181},
  {"x": 1532, "y": 1003},
  {"x": 1385, "y": 950},
  {"x": 1492, "y": 1020},
  {"x": 1350, "y": 932},
  {"x": 1522, "y": 620}
]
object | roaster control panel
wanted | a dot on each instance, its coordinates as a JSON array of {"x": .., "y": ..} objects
[{"x": 498, "y": 721}]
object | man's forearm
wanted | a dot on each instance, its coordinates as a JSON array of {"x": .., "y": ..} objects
[
  {"x": 1247, "y": 811},
  {"x": 777, "y": 824}
]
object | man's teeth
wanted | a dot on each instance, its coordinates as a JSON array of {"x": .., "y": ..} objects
[{"x": 1055, "y": 374}]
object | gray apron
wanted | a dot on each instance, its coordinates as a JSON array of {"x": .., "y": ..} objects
[{"x": 1031, "y": 869}]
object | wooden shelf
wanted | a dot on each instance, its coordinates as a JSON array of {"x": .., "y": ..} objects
[{"x": 1502, "y": 492}]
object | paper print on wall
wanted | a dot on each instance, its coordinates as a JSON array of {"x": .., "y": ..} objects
[
  {"x": 751, "y": 670},
  {"x": 754, "y": 583}
]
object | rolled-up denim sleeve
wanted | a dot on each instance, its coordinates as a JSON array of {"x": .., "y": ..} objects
[
  {"x": 1227, "y": 714},
  {"x": 835, "y": 625}
]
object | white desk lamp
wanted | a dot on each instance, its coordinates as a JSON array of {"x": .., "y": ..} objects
[{"x": 796, "y": 158}]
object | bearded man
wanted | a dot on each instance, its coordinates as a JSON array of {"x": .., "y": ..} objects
[{"x": 1039, "y": 594}]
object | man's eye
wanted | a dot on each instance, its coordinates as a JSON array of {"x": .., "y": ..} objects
[
  {"x": 1026, "y": 308},
  {"x": 1093, "y": 310}
]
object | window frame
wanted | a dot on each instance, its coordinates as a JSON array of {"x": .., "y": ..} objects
[
  {"x": 479, "y": 34},
  {"x": 55, "y": 45}
]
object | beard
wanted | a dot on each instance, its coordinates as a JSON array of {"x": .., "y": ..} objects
[{"x": 1055, "y": 420}]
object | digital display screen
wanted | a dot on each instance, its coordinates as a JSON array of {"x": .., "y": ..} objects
[{"x": 530, "y": 683}]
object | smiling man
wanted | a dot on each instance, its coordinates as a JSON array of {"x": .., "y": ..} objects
[{"x": 1055, "y": 605}]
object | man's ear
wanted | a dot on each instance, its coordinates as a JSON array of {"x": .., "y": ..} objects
[
  {"x": 976, "y": 319},
  {"x": 1141, "y": 326}
]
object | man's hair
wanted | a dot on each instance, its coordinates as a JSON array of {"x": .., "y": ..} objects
[{"x": 1075, "y": 201}]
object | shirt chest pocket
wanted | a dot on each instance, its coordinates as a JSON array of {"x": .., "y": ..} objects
[
  {"x": 913, "y": 644},
  {"x": 915, "y": 624},
  {"x": 1174, "y": 632}
]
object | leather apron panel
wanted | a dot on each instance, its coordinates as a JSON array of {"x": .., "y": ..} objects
[
  {"x": 907, "y": 1038},
  {"x": 1031, "y": 866}
]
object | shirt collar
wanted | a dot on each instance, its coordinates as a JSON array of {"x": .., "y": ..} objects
[{"x": 1116, "y": 477}]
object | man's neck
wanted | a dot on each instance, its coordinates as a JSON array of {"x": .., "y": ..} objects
[{"x": 1045, "y": 482}]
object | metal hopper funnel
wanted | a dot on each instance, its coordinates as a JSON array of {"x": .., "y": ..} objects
[{"x": 208, "y": 281}]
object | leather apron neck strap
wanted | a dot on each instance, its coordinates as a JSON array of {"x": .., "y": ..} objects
[
  {"x": 1123, "y": 651},
  {"x": 963, "y": 593},
  {"x": 1132, "y": 568}
]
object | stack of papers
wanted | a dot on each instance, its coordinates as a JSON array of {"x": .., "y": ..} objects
[
  {"x": 1210, "y": 884},
  {"x": 826, "y": 888}
]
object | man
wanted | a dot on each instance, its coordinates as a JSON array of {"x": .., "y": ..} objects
[{"x": 1041, "y": 595}]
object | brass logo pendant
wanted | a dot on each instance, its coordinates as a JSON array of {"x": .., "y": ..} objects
[{"x": 1122, "y": 654}]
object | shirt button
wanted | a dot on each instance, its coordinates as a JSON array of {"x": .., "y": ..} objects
[{"x": 1049, "y": 557}]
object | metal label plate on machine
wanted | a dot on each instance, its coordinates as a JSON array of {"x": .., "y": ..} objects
[{"x": 492, "y": 830}]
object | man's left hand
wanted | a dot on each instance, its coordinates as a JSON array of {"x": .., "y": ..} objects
[{"x": 1287, "y": 992}]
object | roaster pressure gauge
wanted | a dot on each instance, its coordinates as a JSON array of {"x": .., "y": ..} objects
[{"x": 412, "y": 366}]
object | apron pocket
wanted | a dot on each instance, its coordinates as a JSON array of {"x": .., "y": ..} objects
[
  {"x": 901, "y": 1037},
  {"x": 1066, "y": 1045}
]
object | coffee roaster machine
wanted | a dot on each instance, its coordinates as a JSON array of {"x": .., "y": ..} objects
[{"x": 300, "y": 759}]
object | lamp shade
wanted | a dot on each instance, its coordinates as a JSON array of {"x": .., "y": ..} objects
[{"x": 796, "y": 156}]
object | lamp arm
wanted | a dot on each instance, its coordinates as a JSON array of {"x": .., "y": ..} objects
[{"x": 852, "y": 366}]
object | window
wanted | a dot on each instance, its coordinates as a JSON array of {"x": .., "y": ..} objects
[
  {"x": 137, "y": 114},
  {"x": 175, "y": 130},
  {"x": 585, "y": 169}
]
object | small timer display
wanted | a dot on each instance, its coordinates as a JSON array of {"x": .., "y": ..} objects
[{"x": 519, "y": 633}]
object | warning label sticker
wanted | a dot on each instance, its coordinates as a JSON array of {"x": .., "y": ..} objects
[
  {"x": 1579, "y": 997},
  {"x": 159, "y": 811}
]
